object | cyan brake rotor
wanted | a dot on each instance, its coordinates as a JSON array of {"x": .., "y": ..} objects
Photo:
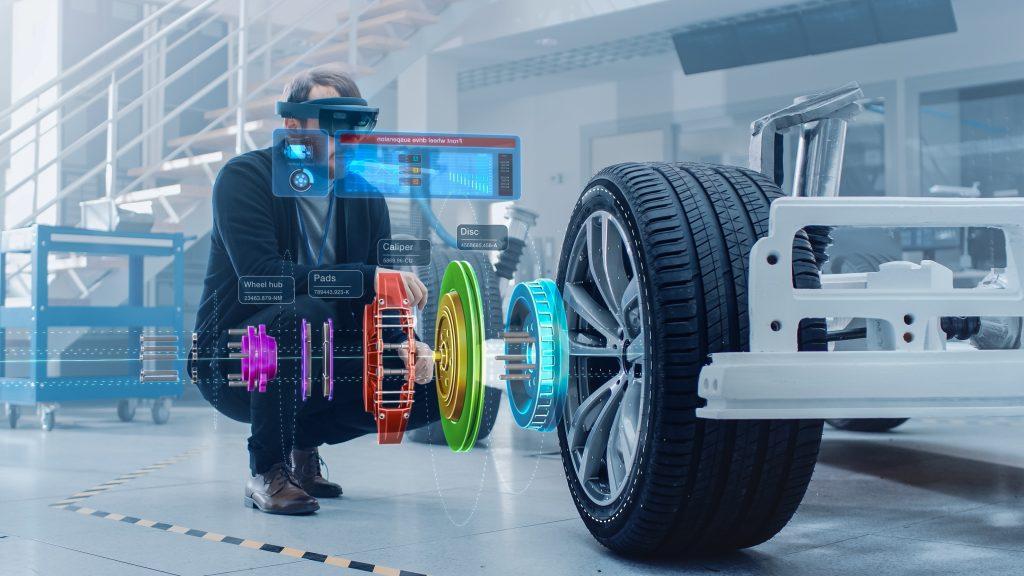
[
  {"x": 459, "y": 356},
  {"x": 536, "y": 355}
]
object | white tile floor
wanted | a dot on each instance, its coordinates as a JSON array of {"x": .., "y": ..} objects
[{"x": 936, "y": 497}]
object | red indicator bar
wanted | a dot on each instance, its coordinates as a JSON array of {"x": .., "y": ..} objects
[{"x": 427, "y": 140}]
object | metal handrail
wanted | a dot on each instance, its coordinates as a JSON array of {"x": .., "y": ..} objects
[
  {"x": 39, "y": 91},
  {"x": 67, "y": 190},
  {"x": 104, "y": 73},
  {"x": 131, "y": 106},
  {"x": 120, "y": 80},
  {"x": 150, "y": 171}
]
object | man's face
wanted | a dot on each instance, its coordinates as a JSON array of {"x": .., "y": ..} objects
[{"x": 317, "y": 93}]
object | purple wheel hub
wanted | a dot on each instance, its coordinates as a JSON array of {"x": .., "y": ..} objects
[{"x": 259, "y": 365}]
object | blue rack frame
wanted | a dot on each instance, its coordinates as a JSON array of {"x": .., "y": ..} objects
[{"x": 38, "y": 318}]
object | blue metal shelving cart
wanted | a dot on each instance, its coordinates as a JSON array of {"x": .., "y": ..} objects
[{"x": 37, "y": 387}]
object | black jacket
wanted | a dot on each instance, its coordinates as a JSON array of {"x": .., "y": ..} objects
[{"x": 257, "y": 234}]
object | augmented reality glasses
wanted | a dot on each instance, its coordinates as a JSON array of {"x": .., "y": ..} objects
[{"x": 334, "y": 114}]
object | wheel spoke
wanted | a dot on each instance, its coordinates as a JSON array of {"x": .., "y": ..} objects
[
  {"x": 606, "y": 264},
  {"x": 577, "y": 348},
  {"x": 577, "y": 298},
  {"x": 593, "y": 420},
  {"x": 622, "y": 442}
]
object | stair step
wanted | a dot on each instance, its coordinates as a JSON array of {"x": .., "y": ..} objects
[
  {"x": 187, "y": 166},
  {"x": 339, "y": 52},
  {"x": 263, "y": 106},
  {"x": 387, "y": 7},
  {"x": 173, "y": 192},
  {"x": 221, "y": 136}
]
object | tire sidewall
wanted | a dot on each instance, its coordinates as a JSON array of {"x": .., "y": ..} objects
[{"x": 604, "y": 193}]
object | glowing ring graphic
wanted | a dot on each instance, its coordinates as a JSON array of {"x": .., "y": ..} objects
[
  {"x": 459, "y": 359},
  {"x": 451, "y": 359},
  {"x": 540, "y": 353}
]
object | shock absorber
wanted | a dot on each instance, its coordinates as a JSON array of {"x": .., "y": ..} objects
[{"x": 519, "y": 223}]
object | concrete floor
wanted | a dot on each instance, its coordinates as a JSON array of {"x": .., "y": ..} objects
[{"x": 936, "y": 497}]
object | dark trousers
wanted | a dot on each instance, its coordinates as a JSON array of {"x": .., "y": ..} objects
[{"x": 279, "y": 419}]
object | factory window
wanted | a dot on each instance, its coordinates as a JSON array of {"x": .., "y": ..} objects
[
  {"x": 972, "y": 144},
  {"x": 972, "y": 140}
]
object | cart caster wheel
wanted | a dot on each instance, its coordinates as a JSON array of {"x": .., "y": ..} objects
[
  {"x": 126, "y": 410},
  {"x": 13, "y": 414},
  {"x": 161, "y": 411},
  {"x": 47, "y": 419}
]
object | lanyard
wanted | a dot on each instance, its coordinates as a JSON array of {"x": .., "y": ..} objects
[{"x": 318, "y": 259}]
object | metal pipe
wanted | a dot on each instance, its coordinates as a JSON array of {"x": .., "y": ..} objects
[
  {"x": 242, "y": 49},
  {"x": 110, "y": 179},
  {"x": 131, "y": 106},
  {"x": 514, "y": 377},
  {"x": 353, "y": 35},
  {"x": 253, "y": 92},
  {"x": 74, "y": 91},
  {"x": 193, "y": 30},
  {"x": 159, "y": 348},
  {"x": 157, "y": 338},
  {"x": 84, "y": 63},
  {"x": 819, "y": 158}
]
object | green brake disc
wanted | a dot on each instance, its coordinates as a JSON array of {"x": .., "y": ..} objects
[{"x": 459, "y": 356}]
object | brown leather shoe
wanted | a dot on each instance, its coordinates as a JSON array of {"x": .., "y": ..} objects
[
  {"x": 306, "y": 467},
  {"x": 277, "y": 492}
]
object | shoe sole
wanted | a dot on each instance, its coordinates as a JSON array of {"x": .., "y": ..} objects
[{"x": 248, "y": 502}]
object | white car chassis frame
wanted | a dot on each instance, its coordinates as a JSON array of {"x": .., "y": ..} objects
[
  {"x": 918, "y": 377},
  {"x": 907, "y": 370}
]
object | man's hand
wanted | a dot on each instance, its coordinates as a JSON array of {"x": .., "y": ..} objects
[
  {"x": 424, "y": 362},
  {"x": 414, "y": 288}
]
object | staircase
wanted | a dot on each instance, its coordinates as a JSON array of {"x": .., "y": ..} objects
[{"x": 166, "y": 141}]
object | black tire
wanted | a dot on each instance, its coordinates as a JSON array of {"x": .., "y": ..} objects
[
  {"x": 696, "y": 486},
  {"x": 125, "y": 410},
  {"x": 47, "y": 419},
  {"x": 161, "y": 411},
  {"x": 866, "y": 424}
]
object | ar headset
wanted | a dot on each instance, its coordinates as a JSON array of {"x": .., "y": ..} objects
[{"x": 335, "y": 115}]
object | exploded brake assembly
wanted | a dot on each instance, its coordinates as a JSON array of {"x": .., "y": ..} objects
[{"x": 536, "y": 355}]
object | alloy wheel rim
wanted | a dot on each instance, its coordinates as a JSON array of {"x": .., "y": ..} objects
[{"x": 605, "y": 412}]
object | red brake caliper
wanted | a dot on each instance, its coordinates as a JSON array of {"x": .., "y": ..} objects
[{"x": 390, "y": 309}]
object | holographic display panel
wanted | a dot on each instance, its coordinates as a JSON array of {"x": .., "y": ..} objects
[{"x": 407, "y": 165}]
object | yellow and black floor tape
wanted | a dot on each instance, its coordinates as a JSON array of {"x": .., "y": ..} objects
[{"x": 73, "y": 504}]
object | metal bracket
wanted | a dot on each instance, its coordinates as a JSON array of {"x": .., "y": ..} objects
[{"x": 831, "y": 109}]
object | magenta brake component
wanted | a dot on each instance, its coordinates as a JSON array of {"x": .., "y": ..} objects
[
  {"x": 258, "y": 353},
  {"x": 307, "y": 358},
  {"x": 328, "y": 368}
]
